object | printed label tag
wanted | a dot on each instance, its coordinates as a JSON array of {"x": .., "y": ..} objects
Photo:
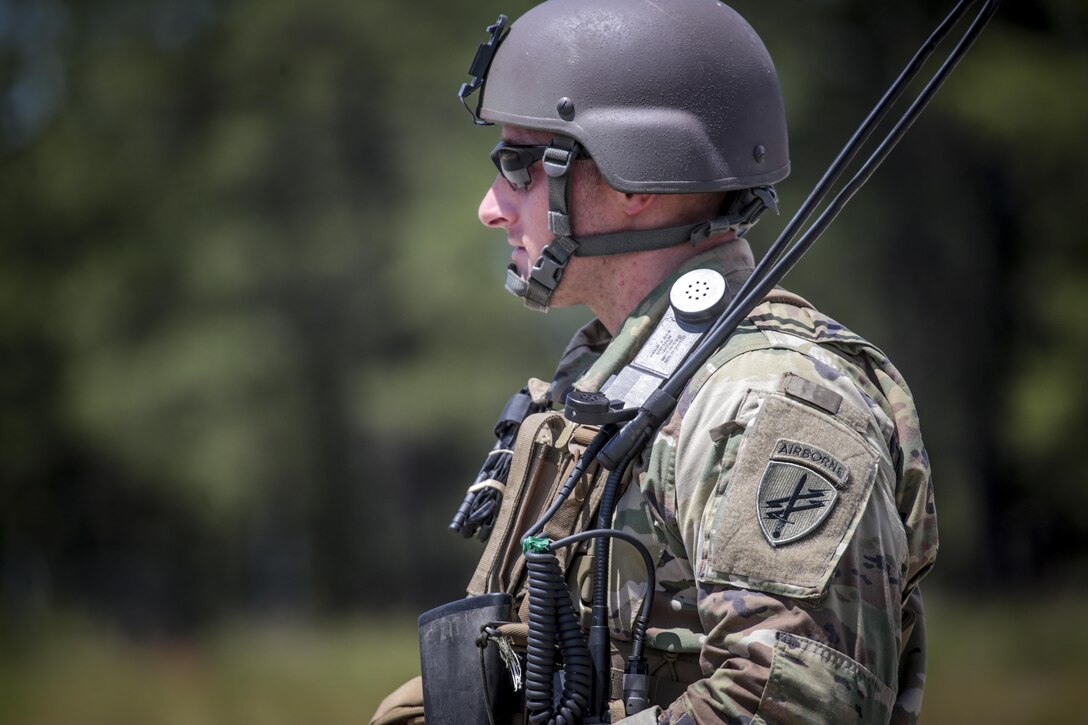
[{"x": 668, "y": 345}]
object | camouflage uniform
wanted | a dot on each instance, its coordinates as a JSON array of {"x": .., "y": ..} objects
[{"x": 789, "y": 507}]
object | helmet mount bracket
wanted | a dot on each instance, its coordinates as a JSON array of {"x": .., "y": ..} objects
[{"x": 481, "y": 64}]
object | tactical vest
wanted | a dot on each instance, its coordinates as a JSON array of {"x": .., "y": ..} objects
[{"x": 547, "y": 448}]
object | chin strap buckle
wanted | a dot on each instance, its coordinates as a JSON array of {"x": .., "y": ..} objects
[
  {"x": 548, "y": 270},
  {"x": 544, "y": 276}
]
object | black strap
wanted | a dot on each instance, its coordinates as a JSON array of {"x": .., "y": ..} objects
[
  {"x": 744, "y": 211},
  {"x": 514, "y": 411},
  {"x": 548, "y": 269}
]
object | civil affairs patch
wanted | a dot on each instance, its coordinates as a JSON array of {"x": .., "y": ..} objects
[
  {"x": 792, "y": 501},
  {"x": 795, "y": 495}
]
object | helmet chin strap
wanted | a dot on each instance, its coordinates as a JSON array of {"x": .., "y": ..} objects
[
  {"x": 543, "y": 279},
  {"x": 548, "y": 269}
]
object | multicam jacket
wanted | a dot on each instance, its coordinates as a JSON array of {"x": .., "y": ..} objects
[{"x": 789, "y": 507}]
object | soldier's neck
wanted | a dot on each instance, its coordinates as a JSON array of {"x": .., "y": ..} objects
[{"x": 628, "y": 278}]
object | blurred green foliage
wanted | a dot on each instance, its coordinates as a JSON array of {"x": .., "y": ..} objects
[{"x": 253, "y": 339}]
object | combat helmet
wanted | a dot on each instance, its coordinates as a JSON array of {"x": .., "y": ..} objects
[{"x": 666, "y": 96}]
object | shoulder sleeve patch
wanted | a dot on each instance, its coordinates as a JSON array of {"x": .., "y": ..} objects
[{"x": 791, "y": 502}]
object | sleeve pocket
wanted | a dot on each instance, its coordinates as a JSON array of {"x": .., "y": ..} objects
[
  {"x": 811, "y": 683},
  {"x": 791, "y": 502}
]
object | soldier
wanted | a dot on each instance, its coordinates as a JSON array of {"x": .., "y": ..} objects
[{"x": 787, "y": 501}]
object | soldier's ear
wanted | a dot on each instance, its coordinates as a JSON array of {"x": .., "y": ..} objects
[{"x": 635, "y": 204}]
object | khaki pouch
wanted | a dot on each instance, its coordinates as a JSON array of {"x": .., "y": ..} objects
[
  {"x": 545, "y": 453},
  {"x": 404, "y": 706}
]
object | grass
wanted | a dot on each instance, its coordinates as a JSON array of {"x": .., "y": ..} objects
[
  {"x": 271, "y": 675},
  {"x": 1018, "y": 661}
]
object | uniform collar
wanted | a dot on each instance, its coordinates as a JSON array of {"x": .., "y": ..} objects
[{"x": 593, "y": 355}]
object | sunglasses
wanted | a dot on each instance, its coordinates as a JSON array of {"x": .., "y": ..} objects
[{"x": 513, "y": 161}]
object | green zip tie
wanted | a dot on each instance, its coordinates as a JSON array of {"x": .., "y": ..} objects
[{"x": 535, "y": 544}]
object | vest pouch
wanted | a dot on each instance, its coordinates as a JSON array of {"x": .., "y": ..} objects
[
  {"x": 534, "y": 469},
  {"x": 454, "y": 686}
]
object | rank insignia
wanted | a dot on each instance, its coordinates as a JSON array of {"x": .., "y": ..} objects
[{"x": 792, "y": 501}]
